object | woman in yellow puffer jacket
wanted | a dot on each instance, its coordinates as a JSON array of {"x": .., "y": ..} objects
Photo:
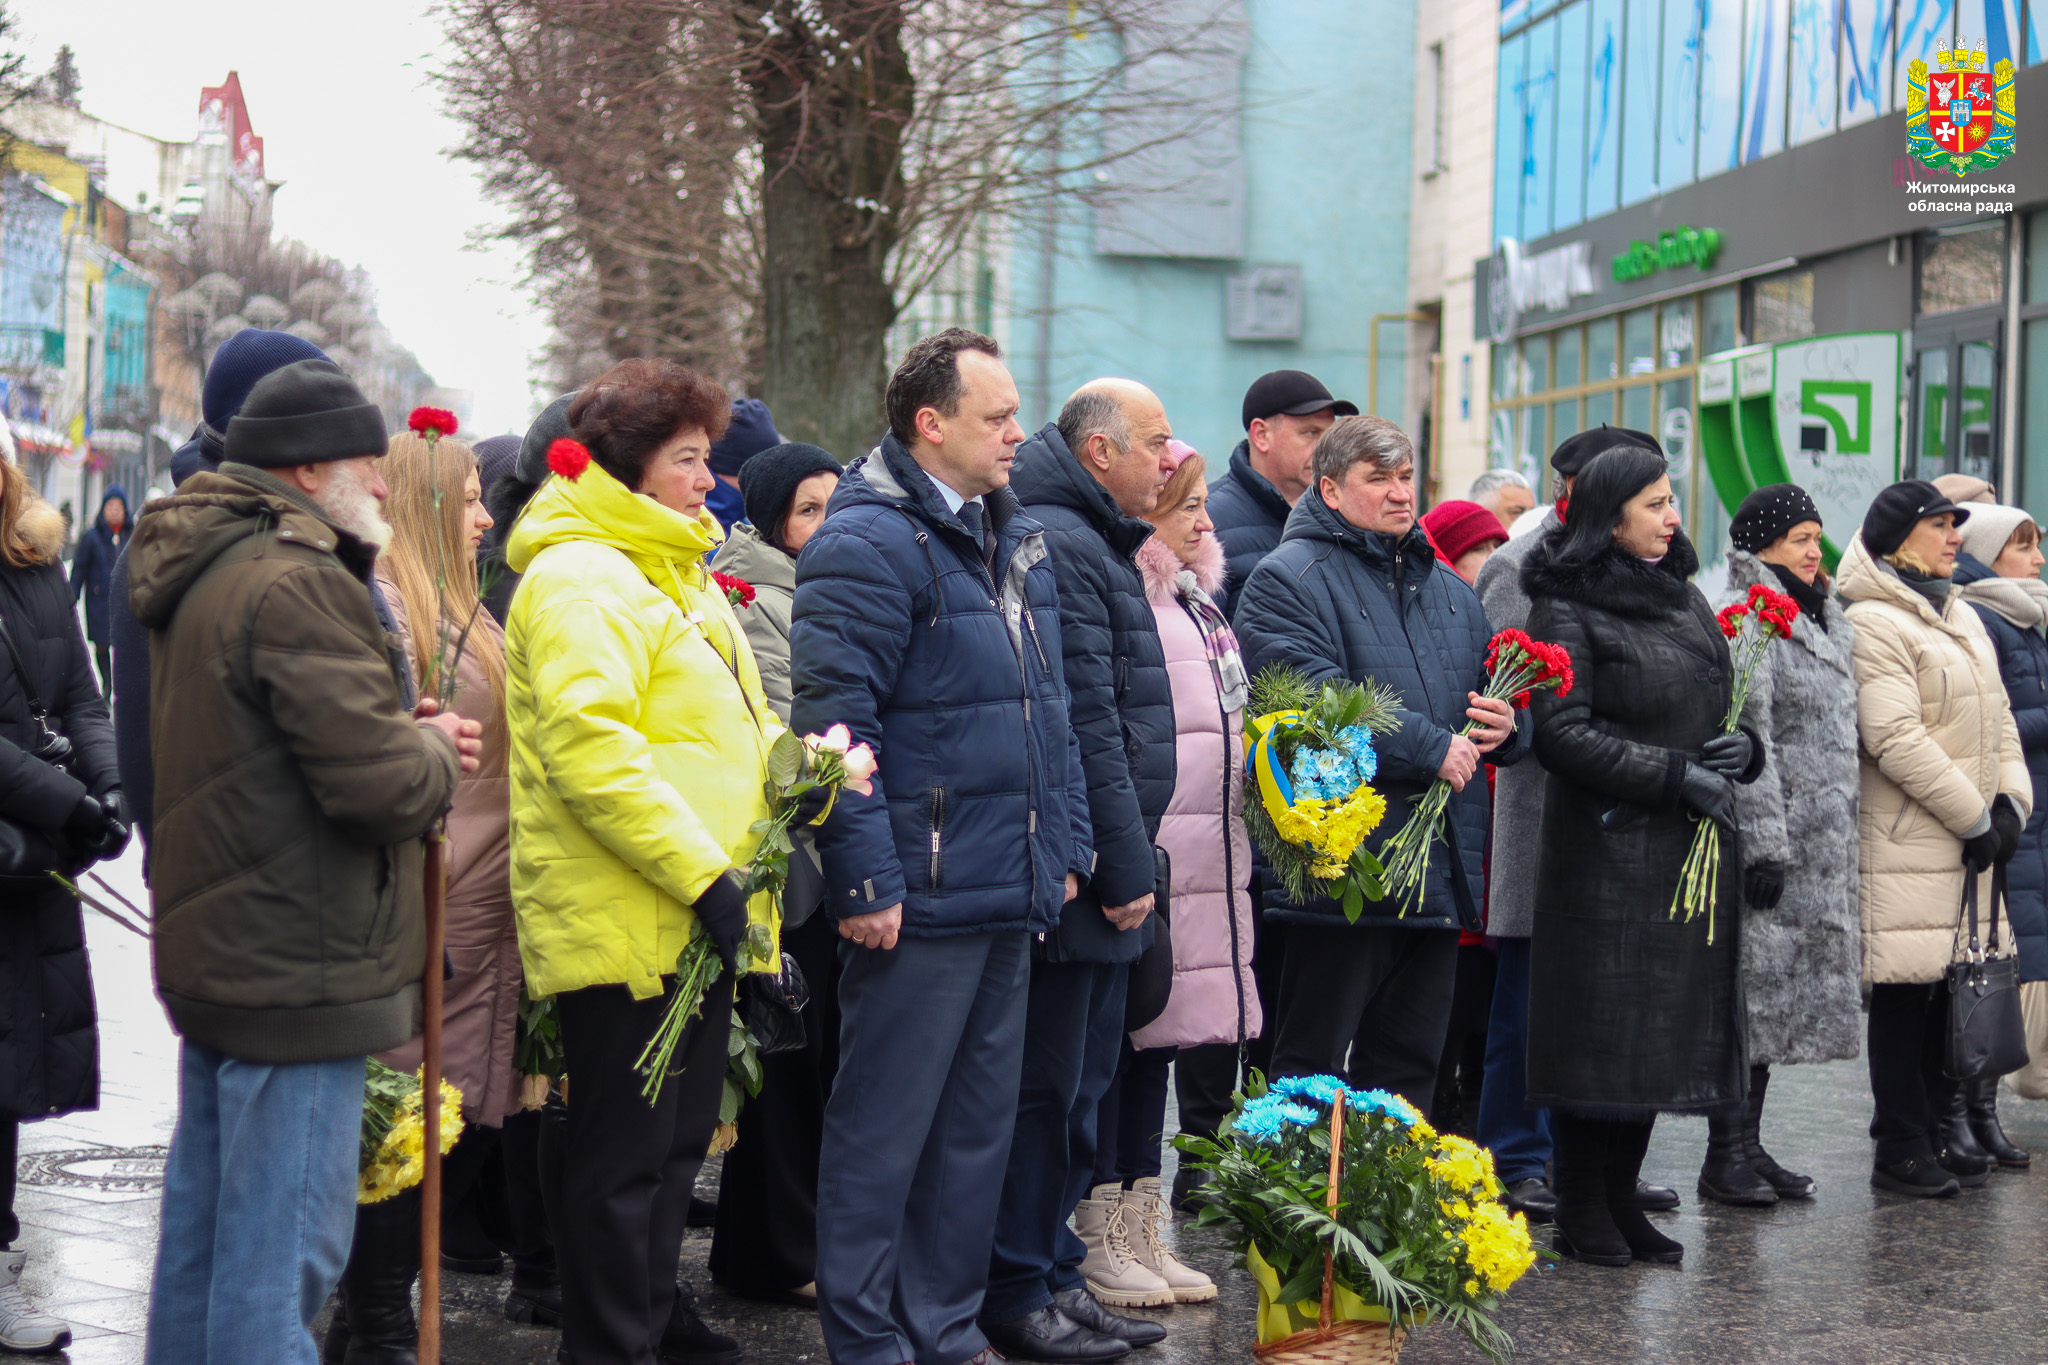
[{"x": 639, "y": 738}]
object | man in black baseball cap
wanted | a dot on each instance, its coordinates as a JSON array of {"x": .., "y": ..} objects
[{"x": 1285, "y": 414}]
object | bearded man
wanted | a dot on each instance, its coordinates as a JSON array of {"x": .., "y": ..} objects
[{"x": 291, "y": 792}]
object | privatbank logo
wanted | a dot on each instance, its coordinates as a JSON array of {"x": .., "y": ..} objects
[{"x": 1959, "y": 118}]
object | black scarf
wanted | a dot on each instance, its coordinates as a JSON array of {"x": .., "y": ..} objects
[{"x": 1811, "y": 597}]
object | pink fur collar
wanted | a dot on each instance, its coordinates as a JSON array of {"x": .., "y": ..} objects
[{"x": 1162, "y": 567}]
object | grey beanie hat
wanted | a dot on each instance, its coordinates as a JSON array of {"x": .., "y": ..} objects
[
  {"x": 309, "y": 412},
  {"x": 551, "y": 426}
]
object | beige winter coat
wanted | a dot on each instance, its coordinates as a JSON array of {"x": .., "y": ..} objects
[{"x": 1936, "y": 744}]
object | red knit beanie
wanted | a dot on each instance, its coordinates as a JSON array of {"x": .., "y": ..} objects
[{"x": 1455, "y": 527}]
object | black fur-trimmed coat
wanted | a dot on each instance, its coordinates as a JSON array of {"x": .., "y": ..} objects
[
  {"x": 1802, "y": 960},
  {"x": 1631, "y": 1012}
]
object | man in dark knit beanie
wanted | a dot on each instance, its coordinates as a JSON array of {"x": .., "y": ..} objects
[
  {"x": 285, "y": 883},
  {"x": 752, "y": 431}
]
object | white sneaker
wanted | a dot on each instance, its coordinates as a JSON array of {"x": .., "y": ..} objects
[
  {"x": 22, "y": 1326},
  {"x": 1111, "y": 1271},
  {"x": 1144, "y": 1212}
]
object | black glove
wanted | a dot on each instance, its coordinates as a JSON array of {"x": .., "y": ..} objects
[
  {"x": 1709, "y": 794},
  {"x": 1981, "y": 850},
  {"x": 1764, "y": 885},
  {"x": 723, "y": 911},
  {"x": 114, "y": 835},
  {"x": 86, "y": 828},
  {"x": 811, "y": 805},
  {"x": 2006, "y": 823},
  {"x": 1727, "y": 755}
]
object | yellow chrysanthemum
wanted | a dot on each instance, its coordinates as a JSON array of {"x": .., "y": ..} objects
[
  {"x": 1496, "y": 1245},
  {"x": 1421, "y": 1134},
  {"x": 1333, "y": 829},
  {"x": 1462, "y": 1164}
]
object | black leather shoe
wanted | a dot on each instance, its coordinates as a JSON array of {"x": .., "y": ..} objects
[
  {"x": 1726, "y": 1175},
  {"x": 703, "y": 1213},
  {"x": 1532, "y": 1198},
  {"x": 1187, "y": 1189},
  {"x": 1051, "y": 1335},
  {"x": 538, "y": 1305},
  {"x": 1969, "y": 1171},
  {"x": 1917, "y": 1176},
  {"x": 1082, "y": 1307},
  {"x": 1982, "y": 1097},
  {"x": 1655, "y": 1198},
  {"x": 689, "y": 1340}
]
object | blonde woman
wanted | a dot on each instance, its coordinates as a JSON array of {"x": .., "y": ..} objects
[{"x": 428, "y": 573}]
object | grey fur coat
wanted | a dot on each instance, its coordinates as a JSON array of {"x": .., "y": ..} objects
[
  {"x": 1802, "y": 961},
  {"x": 1517, "y": 790}
]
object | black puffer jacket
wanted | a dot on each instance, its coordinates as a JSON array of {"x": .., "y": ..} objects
[
  {"x": 1631, "y": 1012},
  {"x": 1335, "y": 602},
  {"x": 1250, "y": 517},
  {"x": 49, "y": 1037},
  {"x": 1116, "y": 671}
]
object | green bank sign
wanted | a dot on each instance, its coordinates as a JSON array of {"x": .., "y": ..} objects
[{"x": 1682, "y": 246}]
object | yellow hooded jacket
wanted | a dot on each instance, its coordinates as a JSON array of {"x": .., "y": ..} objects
[{"x": 639, "y": 736}]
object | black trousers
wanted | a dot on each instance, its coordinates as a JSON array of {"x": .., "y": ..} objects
[
  {"x": 1380, "y": 996},
  {"x": 532, "y": 1186},
  {"x": 1908, "y": 1036},
  {"x": 10, "y": 1140},
  {"x": 629, "y": 1167},
  {"x": 1461, "y": 1070},
  {"x": 1130, "y": 1122},
  {"x": 766, "y": 1240},
  {"x": 1205, "y": 1079}
]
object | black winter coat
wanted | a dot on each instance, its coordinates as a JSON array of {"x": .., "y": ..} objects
[
  {"x": 49, "y": 1037},
  {"x": 1250, "y": 517},
  {"x": 1631, "y": 1012},
  {"x": 1123, "y": 700},
  {"x": 1326, "y": 603},
  {"x": 2023, "y": 664},
  {"x": 902, "y": 633},
  {"x": 92, "y": 566}
]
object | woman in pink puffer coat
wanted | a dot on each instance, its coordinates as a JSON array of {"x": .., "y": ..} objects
[{"x": 1213, "y": 998}]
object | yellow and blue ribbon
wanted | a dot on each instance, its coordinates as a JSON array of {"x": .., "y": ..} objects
[{"x": 1262, "y": 763}]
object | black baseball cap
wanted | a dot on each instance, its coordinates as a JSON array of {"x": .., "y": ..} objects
[{"x": 1294, "y": 393}]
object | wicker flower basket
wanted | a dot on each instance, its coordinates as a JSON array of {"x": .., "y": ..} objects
[{"x": 1330, "y": 1342}]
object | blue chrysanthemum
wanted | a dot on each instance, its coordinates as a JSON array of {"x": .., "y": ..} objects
[
  {"x": 1393, "y": 1106},
  {"x": 1322, "y": 1089},
  {"x": 1365, "y": 760},
  {"x": 1264, "y": 1118}
]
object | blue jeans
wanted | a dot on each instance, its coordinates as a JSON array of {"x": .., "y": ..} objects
[
  {"x": 1518, "y": 1135},
  {"x": 259, "y": 1208}
]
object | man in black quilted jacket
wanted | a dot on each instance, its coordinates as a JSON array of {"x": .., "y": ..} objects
[
  {"x": 1355, "y": 593},
  {"x": 1089, "y": 479},
  {"x": 1285, "y": 414}
]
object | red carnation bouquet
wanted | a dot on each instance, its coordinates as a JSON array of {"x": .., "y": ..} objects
[
  {"x": 1517, "y": 667},
  {"x": 1751, "y": 626},
  {"x": 738, "y": 591}
]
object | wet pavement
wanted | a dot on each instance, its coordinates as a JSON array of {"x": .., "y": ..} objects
[{"x": 1849, "y": 1276}]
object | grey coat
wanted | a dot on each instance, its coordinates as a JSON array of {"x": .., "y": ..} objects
[
  {"x": 1802, "y": 961},
  {"x": 772, "y": 572},
  {"x": 1517, "y": 791}
]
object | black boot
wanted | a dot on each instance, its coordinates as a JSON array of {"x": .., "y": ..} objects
[
  {"x": 1982, "y": 1097},
  {"x": 1726, "y": 1174},
  {"x": 689, "y": 1340},
  {"x": 1788, "y": 1184},
  {"x": 1629, "y": 1143},
  {"x": 376, "y": 1286},
  {"x": 1957, "y": 1146},
  {"x": 1586, "y": 1228}
]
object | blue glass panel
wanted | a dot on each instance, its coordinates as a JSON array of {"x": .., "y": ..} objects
[
  {"x": 1813, "y": 70},
  {"x": 1603, "y": 108},
  {"x": 1507, "y": 142},
  {"x": 2034, "y": 20},
  {"x": 1513, "y": 13},
  {"x": 1866, "y": 59},
  {"x": 1924, "y": 26},
  {"x": 1539, "y": 129},
  {"x": 1568, "y": 201},
  {"x": 1763, "y": 90},
  {"x": 1680, "y": 118},
  {"x": 1993, "y": 25},
  {"x": 1639, "y": 67},
  {"x": 1720, "y": 85}
]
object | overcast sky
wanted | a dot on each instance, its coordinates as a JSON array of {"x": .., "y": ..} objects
[{"x": 350, "y": 125}]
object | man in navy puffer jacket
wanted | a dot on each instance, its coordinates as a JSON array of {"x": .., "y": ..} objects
[
  {"x": 1090, "y": 478},
  {"x": 1355, "y": 593},
  {"x": 927, "y": 621}
]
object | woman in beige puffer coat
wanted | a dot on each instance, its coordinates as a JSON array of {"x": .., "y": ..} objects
[{"x": 1943, "y": 777}]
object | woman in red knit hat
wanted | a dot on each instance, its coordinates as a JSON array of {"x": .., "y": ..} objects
[{"x": 1464, "y": 534}]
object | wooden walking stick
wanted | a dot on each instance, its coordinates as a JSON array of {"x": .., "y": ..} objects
[
  {"x": 1336, "y": 1175},
  {"x": 430, "y": 1099}
]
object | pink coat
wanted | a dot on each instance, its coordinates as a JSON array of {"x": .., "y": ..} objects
[{"x": 1214, "y": 998}]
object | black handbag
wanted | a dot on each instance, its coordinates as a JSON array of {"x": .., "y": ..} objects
[
  {"x": 772, "y": 1008},
  {"x": 1986, "y": 1036},
  {"x": 1152, "y": 974}
]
